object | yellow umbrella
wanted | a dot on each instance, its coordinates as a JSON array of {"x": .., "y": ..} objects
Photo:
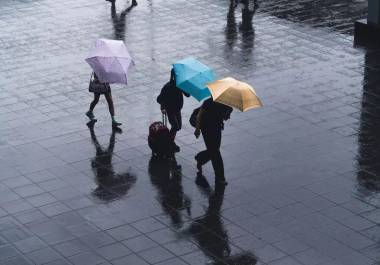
[{"x": 234, "y": 93}]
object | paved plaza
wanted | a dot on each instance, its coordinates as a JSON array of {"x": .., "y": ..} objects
[{"x": 303, "y": 171}]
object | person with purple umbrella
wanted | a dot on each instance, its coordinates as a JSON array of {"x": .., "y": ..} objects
[
  {"x": 110, "y": 61},
  {"x": 106, "y": 91}
]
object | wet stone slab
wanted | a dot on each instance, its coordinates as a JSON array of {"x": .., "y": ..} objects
[{"x": 303, "y": 170}]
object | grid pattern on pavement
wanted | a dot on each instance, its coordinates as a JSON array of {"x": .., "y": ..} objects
[{"x": 303, "y": 171}]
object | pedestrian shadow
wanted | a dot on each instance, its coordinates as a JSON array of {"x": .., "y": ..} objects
[
  {"x": 119, "y": 22},
  {"x": 111, "y": 185},
  {"x": 166, "y": 176},
  {"x": 210, "y": 235},
  {"x": 245, "y": 29}
]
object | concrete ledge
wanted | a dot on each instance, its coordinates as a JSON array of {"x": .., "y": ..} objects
[{"x": 366, "y": 34}]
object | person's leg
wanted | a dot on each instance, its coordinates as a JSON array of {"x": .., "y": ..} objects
[
  {"x": 111, "y": 108},
  {"x": 95, "y": 101},
  {"x": 217, "y": 164},
  {"x": 204, "y": 156},
  {"x": 175, "y": 121},
  {"x": 215, "y": 155}
]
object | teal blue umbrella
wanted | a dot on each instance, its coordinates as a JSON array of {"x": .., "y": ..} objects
[{"x": 192, "y": 76}]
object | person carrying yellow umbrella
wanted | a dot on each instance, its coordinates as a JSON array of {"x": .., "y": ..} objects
[{"x": 226, "y": 93}]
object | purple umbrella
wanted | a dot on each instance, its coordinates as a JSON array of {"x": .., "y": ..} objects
[{"x": 110, "y": 61}]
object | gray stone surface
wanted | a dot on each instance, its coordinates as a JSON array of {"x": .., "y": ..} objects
[{"x": 303, "y": 170}]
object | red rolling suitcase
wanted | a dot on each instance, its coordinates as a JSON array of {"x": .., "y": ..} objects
[{"x": 159, "y": 139}]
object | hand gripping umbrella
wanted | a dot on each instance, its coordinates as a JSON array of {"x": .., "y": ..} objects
[{"x": 110, "y": 60}]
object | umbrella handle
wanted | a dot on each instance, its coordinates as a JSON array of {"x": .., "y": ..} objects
[{"x": 164, "y": 119}]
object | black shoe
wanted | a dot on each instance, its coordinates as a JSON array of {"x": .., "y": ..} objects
[
  {"x": 117, "y": 129},
  {"x": 134, "y": 3},
  {"x": 91, "y": 116},
  {"x": 176, "y": 148},
  {"x": 221, "y": 183},
  {"x": 200, "y": 180},
  {"x": 91, "y": 124},
  {"x": 199, "y": 165},
  {"x": 219, "y": 190},
  {"x": 177, "y": 167}
]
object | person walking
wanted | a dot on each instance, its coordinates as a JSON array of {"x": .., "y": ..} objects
[
  {"x": 171, "y": 101},
  {"x": 249, "y": 9},
  {"x": 119, "y": 21},
  {"x": 134, "y": 2},
  {"x": 210, "y": 121},
  {"x": 98, "y": 89}
]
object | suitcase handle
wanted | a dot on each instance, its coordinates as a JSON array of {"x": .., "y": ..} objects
[{"x": 164, "y": 119}]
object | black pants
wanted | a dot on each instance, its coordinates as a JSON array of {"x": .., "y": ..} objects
[
  {"x": 212, "y": 137},
  {"x": 175, "y": 120}
]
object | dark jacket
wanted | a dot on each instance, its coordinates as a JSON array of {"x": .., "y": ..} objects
[
  {"x": 171, "y": 98},
  {"x": 214, "y": 114}
]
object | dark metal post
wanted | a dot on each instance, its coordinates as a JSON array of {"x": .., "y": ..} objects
[
  {"x": 373, "y": 12},
  {"x": 367, "y": 31}
]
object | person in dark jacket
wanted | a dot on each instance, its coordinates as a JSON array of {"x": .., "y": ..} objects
[
  {"x": 210, "y": 121},
  {"x": 171, "y": 101}
]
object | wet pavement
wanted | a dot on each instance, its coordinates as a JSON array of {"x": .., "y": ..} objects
[{"x": 303, "y": 171}]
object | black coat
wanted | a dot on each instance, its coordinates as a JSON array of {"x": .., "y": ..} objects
[
  {"x": 214, "y": 114},
  {"x": 171, "y": 98}
]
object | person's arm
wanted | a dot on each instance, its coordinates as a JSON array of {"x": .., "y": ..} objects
[
  {"x": 161, "y": 99},
  {"x": 198, "y": 123}
]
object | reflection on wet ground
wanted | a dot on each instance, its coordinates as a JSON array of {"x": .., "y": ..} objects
[
  {"x": 111, "y": 185},
  {"x": 166, "y": 176},
  {"x": 303, "y": 171},
  {"x": 210, "y": 234},
  {"x": 245, "y": 28},
  {"x": 335, "y": 14},
  {"x": 119, "y": 21}
]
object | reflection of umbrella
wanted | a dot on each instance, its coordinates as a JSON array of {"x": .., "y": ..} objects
[
  {"x": 113, "y": 186},
  {"x": 234, "y": 93},
  {"x": 110, "y": 61},
  {"x": 192, "y": 77}
]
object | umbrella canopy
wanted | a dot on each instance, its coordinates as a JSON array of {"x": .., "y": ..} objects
[
  {"x": 192, "y": 77},
  {"x": 234, "y": 93},
  {"x": 110, "y": 61}
]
